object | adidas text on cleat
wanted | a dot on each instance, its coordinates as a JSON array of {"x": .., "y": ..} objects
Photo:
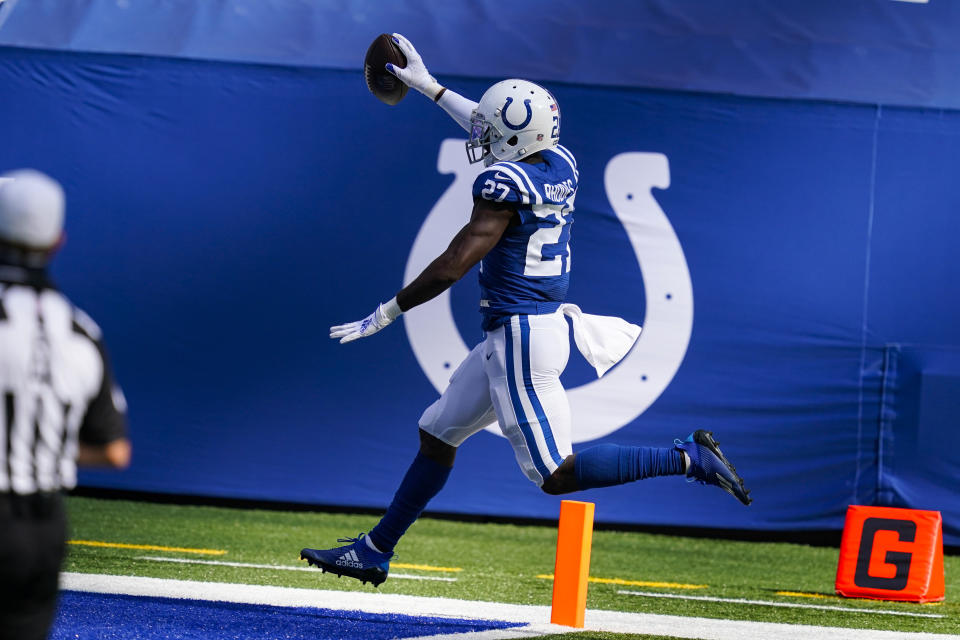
[
  {"x": 356, "y": 560},
  {"x": 709, "y": 466}
]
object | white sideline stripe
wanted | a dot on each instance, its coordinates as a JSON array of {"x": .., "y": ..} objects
[
  {"x": 279, "y": 567},
  {"x": 529, "y": 631},
  {"x": 772, "y": 603},
  {"x": 536, "y": 616}
]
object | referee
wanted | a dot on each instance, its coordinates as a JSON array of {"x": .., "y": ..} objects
[{"x": 59, "y": 404}]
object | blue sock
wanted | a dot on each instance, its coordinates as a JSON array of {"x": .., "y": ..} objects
[
  {"x": 424, "y": 480},
  {"x": 606, "y": 465}
]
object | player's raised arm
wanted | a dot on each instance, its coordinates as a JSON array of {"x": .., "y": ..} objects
[
  {"x": 416, "y": 76},
  {"x": 487, "y": 223}
]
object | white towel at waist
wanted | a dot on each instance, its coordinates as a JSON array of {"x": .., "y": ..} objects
[{"x": 603, "y": 340}]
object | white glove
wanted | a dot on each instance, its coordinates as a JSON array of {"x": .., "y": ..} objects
[
  {"x": 415, "y": 74},
  {"x": 384, "y": 315}
]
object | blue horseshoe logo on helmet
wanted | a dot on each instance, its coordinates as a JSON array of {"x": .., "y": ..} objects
[{"x": 516, "y": 127}]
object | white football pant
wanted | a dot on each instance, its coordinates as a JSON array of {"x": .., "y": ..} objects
[{"x": 513, "y": 377}]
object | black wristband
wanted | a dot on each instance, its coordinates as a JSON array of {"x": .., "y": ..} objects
[{"x": 436, "y": 98}]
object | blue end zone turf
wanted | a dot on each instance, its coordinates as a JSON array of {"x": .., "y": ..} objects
[{"x": 85, "y": 616}]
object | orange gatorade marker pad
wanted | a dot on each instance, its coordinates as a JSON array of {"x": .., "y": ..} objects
[
  {"x": 574, "y": 537},
  {"x": 891, "y": 554}
]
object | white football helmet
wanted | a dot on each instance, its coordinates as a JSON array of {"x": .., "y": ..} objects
[{"x": 514, "y": 119}]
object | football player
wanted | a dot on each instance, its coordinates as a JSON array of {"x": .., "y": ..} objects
[{"x": 519, "y": 230}]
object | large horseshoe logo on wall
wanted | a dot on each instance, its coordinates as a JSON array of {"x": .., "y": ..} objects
[
  {"x": 516, "y": 127},
  {"x": 602, "y": 406}
]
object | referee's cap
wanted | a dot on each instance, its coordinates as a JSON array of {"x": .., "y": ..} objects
[{"x": 31, "y": 209}]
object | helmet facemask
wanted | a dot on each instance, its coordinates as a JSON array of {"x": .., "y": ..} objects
[{"x": 483, "y": 133}]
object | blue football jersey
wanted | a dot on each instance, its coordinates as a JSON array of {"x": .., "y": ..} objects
[{"x": 528, "y": 271}]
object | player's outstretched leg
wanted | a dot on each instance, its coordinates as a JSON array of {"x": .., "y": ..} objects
[
  {"x": 356, "y": 560},
  {"x": 709, "y": 466},
  {"x": 367, "y": 558}
]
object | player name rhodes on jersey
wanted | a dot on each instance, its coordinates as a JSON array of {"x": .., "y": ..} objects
[{"x": 558, "y": 192}]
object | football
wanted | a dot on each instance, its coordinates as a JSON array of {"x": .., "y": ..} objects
[{"x": 383, "y": 84}]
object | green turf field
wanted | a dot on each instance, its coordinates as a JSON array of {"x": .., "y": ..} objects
[{"x": 493, "y": 562}]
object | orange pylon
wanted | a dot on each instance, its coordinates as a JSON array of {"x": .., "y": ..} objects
[{"x": 574, "y": 537}]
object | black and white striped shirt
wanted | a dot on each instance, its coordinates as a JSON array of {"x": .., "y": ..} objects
[{"x": 56, "y": 386}]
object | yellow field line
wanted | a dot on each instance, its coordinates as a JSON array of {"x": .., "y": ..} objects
[
  {"x": 145, "y": 547},
  {"x": 422, "y": 567},
  {"x": 220, "y": 552},
  {"x": 801, "y": 594},
  {"x": 636, "y": 583}
]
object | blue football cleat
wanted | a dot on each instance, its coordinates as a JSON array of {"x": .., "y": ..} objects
[
  {"x": 356, "y": 560},
  {"x": 709, "y": 466}
]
